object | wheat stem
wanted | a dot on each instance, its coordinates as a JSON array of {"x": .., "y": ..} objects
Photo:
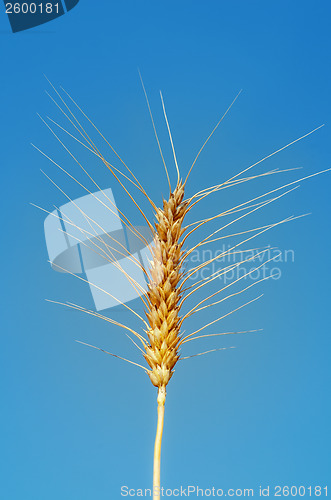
[{"x": 158, "y": 441}]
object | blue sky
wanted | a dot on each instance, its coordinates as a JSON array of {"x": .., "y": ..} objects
[{"x": 78, "y": 424}]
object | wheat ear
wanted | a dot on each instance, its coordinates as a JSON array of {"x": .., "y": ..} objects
[
  {"x": 166, "y": 290},
  {"x": 164, "y": 294}
]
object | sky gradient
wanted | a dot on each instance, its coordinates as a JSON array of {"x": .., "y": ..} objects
[{"x": 78, "y": 424}]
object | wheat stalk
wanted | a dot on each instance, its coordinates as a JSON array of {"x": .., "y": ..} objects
[{"x": 167, "y": 290}]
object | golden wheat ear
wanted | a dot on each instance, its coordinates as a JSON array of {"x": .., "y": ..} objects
[{"x": 161, "y": 336}]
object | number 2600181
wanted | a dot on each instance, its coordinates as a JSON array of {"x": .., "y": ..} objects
[{"x": 32, "y": 8}]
